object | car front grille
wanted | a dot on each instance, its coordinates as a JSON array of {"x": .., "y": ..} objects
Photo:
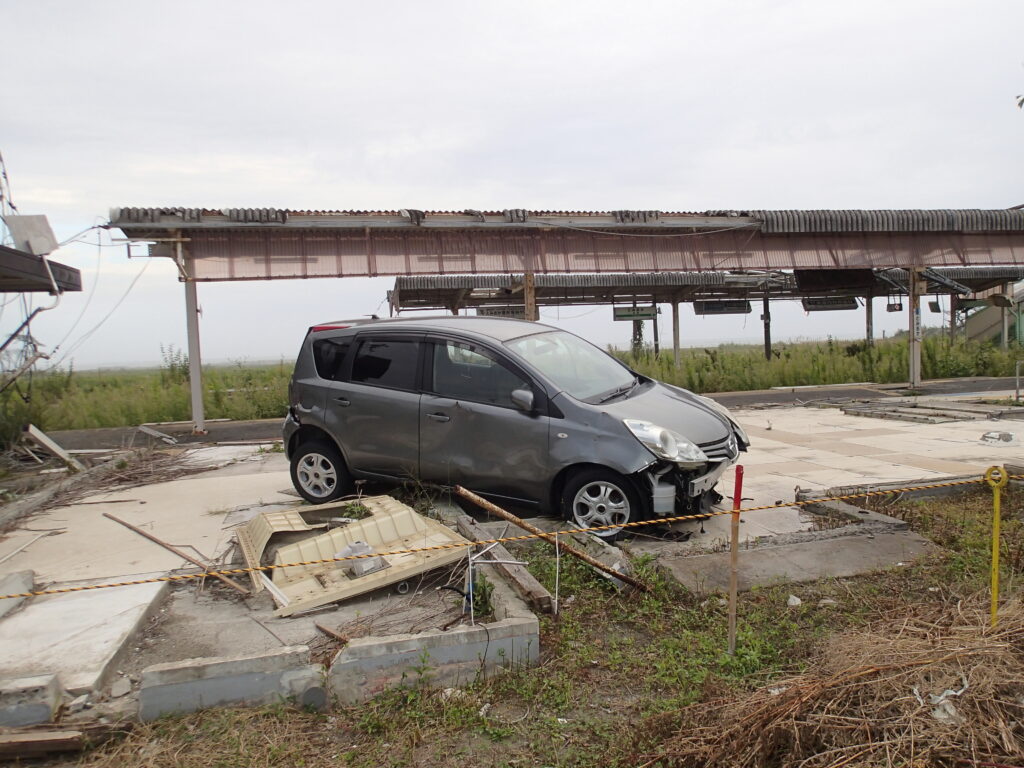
[{"x": 720, "y": 450}]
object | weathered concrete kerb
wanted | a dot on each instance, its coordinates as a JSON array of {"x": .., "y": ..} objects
[
  {"x": 186, "y": 686},
  {"x": 29, "y": 700},
  {"x": 368, "y": 666}
]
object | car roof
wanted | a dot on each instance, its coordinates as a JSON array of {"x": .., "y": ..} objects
[{"x": 497, "y": 328}]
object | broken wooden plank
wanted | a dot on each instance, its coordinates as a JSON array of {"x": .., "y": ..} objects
[
  {"x": 184, "y": 555},
  {"x": 40, "y": 438},
  {"x": 494, "y": 509},
  {"x": 524, "y": 582},
  {"x": 34, "y": 743}
]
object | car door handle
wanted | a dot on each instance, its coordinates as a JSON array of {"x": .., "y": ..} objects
[
  {"x": 439, "y": 417},
  {"x": 342, "y": 401}
]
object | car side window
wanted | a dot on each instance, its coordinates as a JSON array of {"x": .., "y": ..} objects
[
  {"x": 329, "y": 357},
  {"x": 464, "y": 372},
  {"x": 386, "y": 363}
]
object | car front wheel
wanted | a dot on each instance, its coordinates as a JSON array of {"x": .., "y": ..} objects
[
  {"x": 593, "y": 498},
  {"x": 319, "y": 473}
]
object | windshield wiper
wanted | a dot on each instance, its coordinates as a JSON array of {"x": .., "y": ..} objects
[{"x": 623, "y": 390}]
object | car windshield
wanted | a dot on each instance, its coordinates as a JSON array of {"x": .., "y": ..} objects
[{"x": 574, "y": 365}]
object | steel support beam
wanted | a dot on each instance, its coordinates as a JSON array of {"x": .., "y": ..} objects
[
  {"x": 869, "y": 321},
  {"x": 675, "y": 333},
  {"x": 1005, "y": 313},
  {"x": 914, "y": 312},
  {"x": 766, "y": 317},
  {"x": 195, "y": 363},
  {"x": 657, "y": 340}
]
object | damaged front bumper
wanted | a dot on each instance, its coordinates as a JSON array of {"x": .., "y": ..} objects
[{"x": 675, "y": 490}]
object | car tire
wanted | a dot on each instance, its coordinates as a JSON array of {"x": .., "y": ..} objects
[
  {"x": 598, "y": 497},
  {"x": 319, "y": 473}
]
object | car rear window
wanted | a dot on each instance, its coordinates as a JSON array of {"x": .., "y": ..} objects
[
  {"x": 386, "y": 363},
  {"x": 328, "y": 356}
]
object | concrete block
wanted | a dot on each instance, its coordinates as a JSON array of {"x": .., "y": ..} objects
[
  {"x": 29, "y": 700},
  {"x": 193, "y": 684},
  {"x": 12, "y": 583},
  {"x": 369, "y": 665}
]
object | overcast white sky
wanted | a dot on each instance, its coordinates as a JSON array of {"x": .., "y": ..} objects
[{"x": 539, "y": 105}]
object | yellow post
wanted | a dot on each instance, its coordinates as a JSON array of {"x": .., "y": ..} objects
[{"x": 997, "y": 479}]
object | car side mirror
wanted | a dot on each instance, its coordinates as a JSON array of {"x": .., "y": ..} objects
[{"x": 522, "y": 399}]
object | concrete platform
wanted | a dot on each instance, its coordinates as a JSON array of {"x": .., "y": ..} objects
[
  {"x": 190, "y": 512},
  {"x": 79, "y": 636},
  {"x": 806, "y": 561}
]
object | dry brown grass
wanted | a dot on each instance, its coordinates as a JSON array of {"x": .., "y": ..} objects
[{"x": 866, "y": 699}]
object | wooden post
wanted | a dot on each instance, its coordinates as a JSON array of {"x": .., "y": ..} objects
[
  {"x": 734, "y": 557},
  {"x": 530, "y": 297}
]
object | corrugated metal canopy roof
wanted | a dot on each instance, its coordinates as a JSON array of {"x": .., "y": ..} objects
[
  {"x": 435, "y": 292},
  {"x": 913, "y": 220},
  {"x": 768, "y": 221}
]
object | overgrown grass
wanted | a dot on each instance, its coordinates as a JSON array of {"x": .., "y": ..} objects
[
  {"x": 70, "y": 399},
  {"x": 85, "y": 399},
  {"x": 736, "y": 367}
]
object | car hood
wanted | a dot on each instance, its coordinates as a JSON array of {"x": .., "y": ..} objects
[{"x": 672, "y": 408}]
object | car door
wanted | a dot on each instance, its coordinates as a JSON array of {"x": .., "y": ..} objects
[
  {"x": 374, "y": 411},
  {"x": 471, "y": 433}
]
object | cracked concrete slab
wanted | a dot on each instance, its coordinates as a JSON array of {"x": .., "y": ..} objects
[
  {"x": 805, "y": 561},
  {"x": 78, "y": 636}
]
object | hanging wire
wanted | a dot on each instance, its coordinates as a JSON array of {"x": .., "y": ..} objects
[{"x": 85, "y": 336}]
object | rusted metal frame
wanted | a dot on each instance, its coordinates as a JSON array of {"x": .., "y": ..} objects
[{"x": 494, "y": 509}]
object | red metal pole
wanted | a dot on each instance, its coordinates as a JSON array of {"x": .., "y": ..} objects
[{"x": 734, "y": 555}]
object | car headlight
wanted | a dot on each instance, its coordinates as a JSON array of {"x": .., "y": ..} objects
[
  {"x": 723, "y": 411},
  {"x": 665, "y": 443}
]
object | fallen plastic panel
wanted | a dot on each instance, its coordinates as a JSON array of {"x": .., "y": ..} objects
[
  {"x": 254, "y": 535},
  {"x": 392, "y": 526}
]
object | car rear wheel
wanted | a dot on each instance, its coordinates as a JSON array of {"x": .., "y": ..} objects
[
  {"x": 599, "y": 497},
  {"x": 319, "y": 473}
]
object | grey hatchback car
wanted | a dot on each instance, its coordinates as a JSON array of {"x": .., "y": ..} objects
[{"x": 516, "y": 411}]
